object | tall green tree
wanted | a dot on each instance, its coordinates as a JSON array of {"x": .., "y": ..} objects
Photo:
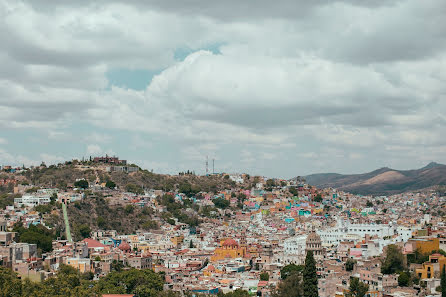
[
  {"x": 290, "y": 287},
  {"x": 310, "y": 276},
  {"x": 357, "y": 288},
  {"x": 443, "y": 282},
  {"x": 394, "y": 260}
]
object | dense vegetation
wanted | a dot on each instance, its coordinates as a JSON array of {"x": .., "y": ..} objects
[
  {"x": 69, "y": 283},
  {"x": 39, "y": 235},
  {"x": 94, "y": 212},
  {"x": 177, "y": 210}
]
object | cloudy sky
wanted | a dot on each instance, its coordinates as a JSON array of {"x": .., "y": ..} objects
[{"x": 278, "y": 88}]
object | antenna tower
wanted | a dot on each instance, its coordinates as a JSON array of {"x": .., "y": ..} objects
[{"x": 207, "y": 165}]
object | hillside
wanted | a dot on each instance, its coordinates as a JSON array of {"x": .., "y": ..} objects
[
  {"x": 99, "y": 211},
  {"x": 65, "y": 175},
  {"x": 383, "y": 181}
]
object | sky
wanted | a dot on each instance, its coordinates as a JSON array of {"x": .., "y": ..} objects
[{"x": 274, "y": 88}]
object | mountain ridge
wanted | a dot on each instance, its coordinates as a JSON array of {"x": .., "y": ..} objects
[{"x": 382, "y": 181}]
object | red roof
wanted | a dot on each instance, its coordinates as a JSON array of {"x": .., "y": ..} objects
[
  {"x": 230, "y": 242},
  {"x": 91, "y": 243}
]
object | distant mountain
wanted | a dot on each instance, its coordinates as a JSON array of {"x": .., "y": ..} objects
[{"x": 383, "y": 181}]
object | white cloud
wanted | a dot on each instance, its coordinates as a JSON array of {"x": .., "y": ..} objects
[
  {"x": 52, "y": 159},
  {"x": 353, "y": 77},
  {"x": 94, "y": 150}
]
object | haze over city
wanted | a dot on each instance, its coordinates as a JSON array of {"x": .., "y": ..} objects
[{"x": 272, "y": 88}]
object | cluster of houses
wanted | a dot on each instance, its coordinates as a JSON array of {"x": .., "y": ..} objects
[{"x": 272, "y": 228}]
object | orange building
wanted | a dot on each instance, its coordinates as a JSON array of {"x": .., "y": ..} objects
[
  {"x": 433, "y": 267},
  {"x": 229, "y": 249},
  {"x": 425, "y": 246}
]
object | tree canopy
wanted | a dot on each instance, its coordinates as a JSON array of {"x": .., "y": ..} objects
[
  {"x": 83, "y": 184},
  {"x": 310, "y": 276},
  {"x": 357, "y": 288},
  {"x": 221, "y": 202},
  {"x": 289, "y": 269},
  {"x": 69, "y": 283},
  {"x": 38, "y": 234},
  {"x": 394, "y": 260},
  {"x": 291, "y": 286}
]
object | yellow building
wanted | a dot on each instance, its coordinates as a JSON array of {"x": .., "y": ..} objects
[
  {"x": 426, "y": 246},
  {"x": 177, "y": 240},
  {"x": 81, "y": 264},
  {"x": 229, "y": 249},
  {"x": 433, "y": 267}
]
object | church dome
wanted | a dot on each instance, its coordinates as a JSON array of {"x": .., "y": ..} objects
[
  {"x": 124, "y": 247},
  {"x": 313, "y": 237},
  {"x": 230, "y": 243}
]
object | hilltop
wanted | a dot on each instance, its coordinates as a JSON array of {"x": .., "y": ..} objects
[
  {"x": 383, "y": 181},
  {"x": 107, "y": 194}
]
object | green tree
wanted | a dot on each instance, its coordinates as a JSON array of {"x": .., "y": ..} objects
[
  {"x": 39, "y": 235},
  {"x": 369, "y": 204},
  {"x": 293, "y": 191},
  {"x": 357, "y": 288},
  {"x": 404, "y": 279},
  {"x": 318, "y": 198},
  {"x": 10, "y": 285},
  {"x": 116, "y": 265},
  {"x": 350, "y": 264},
  {"x": 394, "y": 260},
  {"x": 310, "y": 276},
  {"x": 290, "y": 287},
  {"x": 149, "y": 225},
  {"x": 129, "y": 209},
  {"x": 84, "y": 230},
  {"x": 132, "y": 188},
  {"x": 53, "y": 198},
  {"x": 270, "y": 183},
  {"x": 110, "y": 184},
  {"x": 264, "y": 276},
  {"x": 144, "y": 283},
  {"x": 83, "y": 184},
  {"x": 289, "y": 269},
  {"x": 101, "y": 222},
  {"x": 188, "y": 189},
  {"x": 221, "y": 202},
  {"x": 236, "y": 293}
]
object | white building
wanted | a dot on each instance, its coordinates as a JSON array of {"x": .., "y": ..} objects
[
  {"x": 294, "y": 249},
  {"x": 128, "y": 169},
  {"x": 31, "y": 201},
  {"x": 345, "y": 231},
  {"x": 237, "y": 178}
]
